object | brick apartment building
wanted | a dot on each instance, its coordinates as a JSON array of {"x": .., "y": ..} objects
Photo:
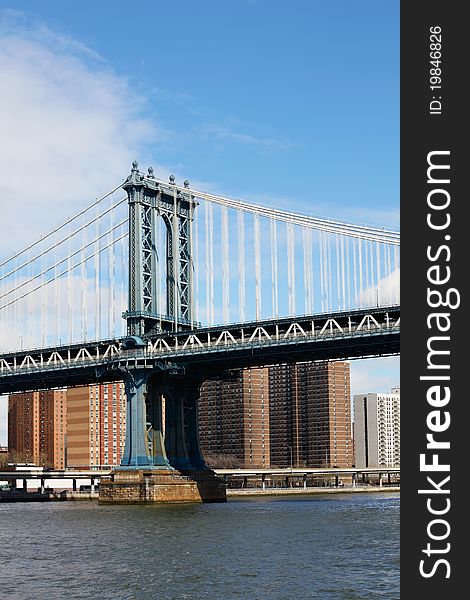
[
  {"x": 37, "y": 424},
  {"x": 78, "y": 427},
  {"x": 279, "y": 416}
]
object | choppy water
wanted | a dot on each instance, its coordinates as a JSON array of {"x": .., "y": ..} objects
[{"x": 342, "y": 547}]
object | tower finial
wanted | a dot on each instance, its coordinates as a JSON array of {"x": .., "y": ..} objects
[{"x": 135, "y": 166}]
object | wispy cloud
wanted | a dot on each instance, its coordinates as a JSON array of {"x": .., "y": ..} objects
[
  {"x": 224, "y": 134},
  {"x": 70, "y": 128}
]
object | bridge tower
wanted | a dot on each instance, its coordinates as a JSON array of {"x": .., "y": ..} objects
[
  {"x": 162, "y": 461},
  {"x": 150, "y": 201}
]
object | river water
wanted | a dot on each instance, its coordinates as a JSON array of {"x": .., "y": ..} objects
[{"x": 329, "y": 547}]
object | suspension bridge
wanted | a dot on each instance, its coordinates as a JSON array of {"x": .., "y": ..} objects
[{"x": 165, "y": 285}]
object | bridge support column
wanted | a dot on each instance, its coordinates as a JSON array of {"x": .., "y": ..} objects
[
  {"x": 162, "y": 461},
  {"x": 144, "y": 441},
  {"x": 181, "y": 427}
]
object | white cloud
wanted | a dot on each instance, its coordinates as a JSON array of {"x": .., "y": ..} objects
[
  {"x": 373, "y": 375},
  {"x": 386, "y": 292},
  {"x": 220, "y": 133},
  {"x": 69, "y": 129}
]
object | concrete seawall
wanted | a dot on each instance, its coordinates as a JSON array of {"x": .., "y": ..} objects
[
  {"x": 310, "y": 490},
  {"x": 231, "y": 493}
]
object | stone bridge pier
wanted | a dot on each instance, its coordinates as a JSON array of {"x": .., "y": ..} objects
[{"x": 162, "y": 461}]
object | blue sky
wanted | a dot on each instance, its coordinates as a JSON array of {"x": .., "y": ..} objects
[{"x": 293, "y": 104}]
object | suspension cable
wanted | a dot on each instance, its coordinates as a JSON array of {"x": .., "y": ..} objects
[
  {"x": 54, "y": 246},
  {"x": 62, "y": 260},
  {"x": 64, "y": 272},
  {"x": 365, "y": 232},
  {"x": 67, "y": 222}
]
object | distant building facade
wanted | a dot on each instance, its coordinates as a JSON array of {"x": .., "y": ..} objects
[
  {"x": 234, "y": 419},
  {"x": 310, "y": 412},
  {"x": 283, "y": 415},
  {"x": 37, "y": 424},
  {"x": 96, "y": 424},
  {"x": 377, "y": 429},
  {"x": 78, "y": 427}
]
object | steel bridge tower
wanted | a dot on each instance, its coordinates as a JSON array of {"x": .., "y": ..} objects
[
  {"x": 148, "y": 202},
  {"x": 162, "y": 460}
]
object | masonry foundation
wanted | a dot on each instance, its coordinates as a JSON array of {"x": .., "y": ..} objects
[{"x": 142, "y": 486}]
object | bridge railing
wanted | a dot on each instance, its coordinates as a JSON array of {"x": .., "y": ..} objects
[{"x": 266, "y": 334}]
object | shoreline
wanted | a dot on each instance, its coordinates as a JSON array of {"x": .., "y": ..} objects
[
  {"x": 231, "y": 493},
  {"x": 311, "y": 491}
]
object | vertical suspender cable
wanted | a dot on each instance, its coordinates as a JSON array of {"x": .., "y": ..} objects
[
  {"x": 257, "y": 242},
  {"x": 390, "y": 272},
  {"x": 338, "y": 288},
  {"x": 348, "y": 273},
  {"x": 43, "y": 293},
  {"x": 330, "y": 274},
  {"x": 396, "y": 270},
  {"x": 111, "y": 309},
  {"x": 241, "y": 265},
  {"x": 310, "y": 239},
  {"x": 211, "y": 261},
  {"x": 291, "y": 268},
  {"x": 367, "y": 282},
  {"x": 70, "y": 300},
  {"x": 15, "y": 304},
  {"x": 85, "y": 287},
  {"x": 307, "y": 264},
  {"x": 274, "y": 269},
  {"x": 327, "y": 269},
  {"x": 361, "y": 284},
  {"x": 379, "y": 270},
  {"x": 225, "y": 266},
  {"x": 305, "y": 269},
  {"x": 207, "y": 266},
  {"x": 97, "y": 309},
  {"x": 354, "y": 243},
  {"x": 321, "y": 240},
  {"x": 56, "y": 300},
  {"x": 343, "y": 286}
]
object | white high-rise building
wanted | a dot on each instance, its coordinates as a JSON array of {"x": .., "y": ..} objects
[{"x": 377, "y": 429}]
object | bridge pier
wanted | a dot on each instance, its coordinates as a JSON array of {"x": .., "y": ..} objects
[{"x": 162, "y": 461}]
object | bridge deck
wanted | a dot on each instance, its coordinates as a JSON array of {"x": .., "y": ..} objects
[{"x": 335, "y": 336}]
